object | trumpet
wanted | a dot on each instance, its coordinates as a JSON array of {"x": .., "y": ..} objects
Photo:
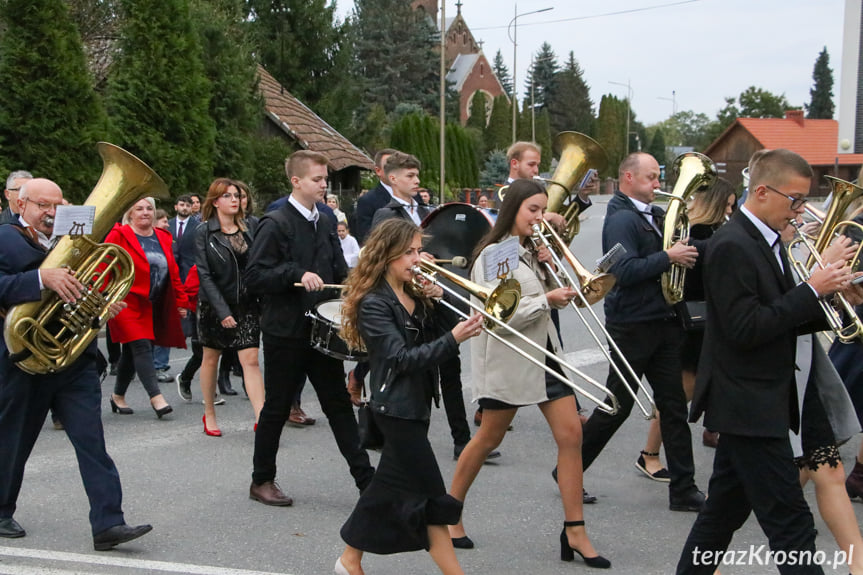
[
  {"x": 498, "y": 306},
  {"x": 556, "y": 246},
  {"x": 845, "y": 332}
]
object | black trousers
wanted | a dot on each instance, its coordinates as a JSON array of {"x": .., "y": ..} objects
[
  {"x": 287, "y": 363},
  {"x": 453, "y": 400},
  {"x": 76, "y": 398},
  {"x": 137, "y": 357},
  {"x": 653, "y": 350},
  {"x": 751, "y": 474}
]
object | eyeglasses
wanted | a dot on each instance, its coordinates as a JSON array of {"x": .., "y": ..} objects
[
  {"x": 229, "y": 195},
  {"x": 796, "y": 203},
  {"x": 42, "y": 207},
  {"x": 13, "y": 189}
]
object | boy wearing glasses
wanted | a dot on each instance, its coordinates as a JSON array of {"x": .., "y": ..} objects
[{"x": 745, "y": 385}]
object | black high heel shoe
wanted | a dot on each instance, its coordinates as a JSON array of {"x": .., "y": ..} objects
[
  {"x": 121, "y": 410},
  {"x": 567, "y": 553},
  {"x": 162, "y": 411}
]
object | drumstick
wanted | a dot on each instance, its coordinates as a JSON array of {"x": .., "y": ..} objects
[{"x": 325, "y": 286}]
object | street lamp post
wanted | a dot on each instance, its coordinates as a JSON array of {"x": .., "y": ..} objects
[
  {"x": 628, "y": 108},
  {"x": 513, "y": 37},
  {"x": 673, "y": 100}
]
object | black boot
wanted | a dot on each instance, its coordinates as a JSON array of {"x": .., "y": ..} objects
[{"x": 225, "y": 383}]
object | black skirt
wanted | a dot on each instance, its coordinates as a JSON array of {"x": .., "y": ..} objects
[
  {"x": 406, "y": 495},
  {"x": 246, "y": 335}
]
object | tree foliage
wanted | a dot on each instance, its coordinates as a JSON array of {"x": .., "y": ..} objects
[
  {"x": 496, "y": 169},
  {"x": 657, "y": 148},
  {"x": 498, "y": 133},
  {"x": 568, "y": 100},
  {"x": 820, "y": 106},
  {"x": 236, "y": 106},
  {"x": 611, "y": 131},
  {"x": 50, "y": 116},
  {"x": 299, "y": 43},
  {"x": 395, "y": 58},
  {"x": 502, "y": 73},
  {"x": 158, "y": 94},
  {"x": 541, "y": 76}
]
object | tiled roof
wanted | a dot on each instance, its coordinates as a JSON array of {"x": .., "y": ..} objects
[
  {"x": 815, "y": 140},
  {"x": 309, "y": 130}
]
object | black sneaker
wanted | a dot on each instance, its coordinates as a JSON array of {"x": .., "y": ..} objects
[{"x": 184, "y": 388}]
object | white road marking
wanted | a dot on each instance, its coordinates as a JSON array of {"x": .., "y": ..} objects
[
  {"x": 585, "y": 357},
  {"x": 105, "y": 560}
]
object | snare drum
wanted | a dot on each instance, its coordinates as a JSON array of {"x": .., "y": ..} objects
[{"x": 326, "y": 323}]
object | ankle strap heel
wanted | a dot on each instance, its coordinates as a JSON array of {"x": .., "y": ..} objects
[
  {"x": 567, "y": 553},
  {"x": 649, "y": 453}
]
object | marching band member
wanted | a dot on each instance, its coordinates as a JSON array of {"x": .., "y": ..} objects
[
  {"x": 504, "y": 381},
  {"x": 406, "y": 506},
  {"x": 297, "y": 243}
]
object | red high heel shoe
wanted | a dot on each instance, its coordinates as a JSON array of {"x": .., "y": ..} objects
[{"x": 211, "y": 432}]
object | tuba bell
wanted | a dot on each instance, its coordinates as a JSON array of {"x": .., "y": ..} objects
[
  {"x": 576, "y": 154},
  {"x": 48, "y": 336},
  {"x": 696, "y": 172},
  {"x": 837, "y": 220}
]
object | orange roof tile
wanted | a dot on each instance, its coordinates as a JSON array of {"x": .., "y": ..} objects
[
  {"x": 309, "y": 130},
  {"x": 815, "y": 140}
]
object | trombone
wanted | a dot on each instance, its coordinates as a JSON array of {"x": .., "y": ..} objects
[
  {"x": 499, "y": 306},
  {"x": 844, "y": 333},
  {"x": 587, "y": 290}
]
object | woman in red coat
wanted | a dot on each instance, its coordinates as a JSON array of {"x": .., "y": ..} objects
[{"x": 156, "y": 302}]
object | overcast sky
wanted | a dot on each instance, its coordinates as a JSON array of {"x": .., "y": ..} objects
[{"x": 703, "y": 50}]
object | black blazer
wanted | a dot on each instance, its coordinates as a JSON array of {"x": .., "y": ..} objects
[
  {"x": 189, "y": 225},
  {"x": 403, "y": 359},
  {"x": 745, "y": 384},
  {"x": 367, "y": 205},
  {"x": 394, "y": 209},
  {"x": 185, "y": 251},
  {"x": 287, "y": 246}
]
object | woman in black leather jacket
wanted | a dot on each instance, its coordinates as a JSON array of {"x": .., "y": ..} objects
[
  {"x": 406, "y": 506},
  {"x": 228, "y": 318}
]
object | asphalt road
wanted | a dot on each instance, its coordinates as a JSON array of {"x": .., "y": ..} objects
[{"x": 194, "y": 490}]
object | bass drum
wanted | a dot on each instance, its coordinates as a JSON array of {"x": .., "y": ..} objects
[{"x": 454, "y": 231}]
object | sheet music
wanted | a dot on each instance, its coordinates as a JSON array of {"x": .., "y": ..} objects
[
  {"x": 74, "y": 220},
  {"x": 500, "y": 259}
]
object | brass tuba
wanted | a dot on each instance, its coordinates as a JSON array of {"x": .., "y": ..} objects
[
  {"x": 48, "y": 336},
  {"x": 837, "y": 219},
  {"x": 576, "y": 154},
  {"x": 696, "y": 172}
]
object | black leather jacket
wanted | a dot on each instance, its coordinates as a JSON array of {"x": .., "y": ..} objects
[
  {"x": 403, "y": 357},
  {"x": 218, "y": 269}
]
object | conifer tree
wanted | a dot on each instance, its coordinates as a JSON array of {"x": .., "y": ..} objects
[
  {"x": 495, "y": 170},
  {"x": 568, "y": 100},
  {"x": 657, "y": 146},
  {"x": 50, "y": 117},
  {"x": 158, "y": 94},
  {"x": 236, "y": 105},
  {"x": 477, "y": 118},
  {"x": 502, "y": 73},
  {"x": 395, "y": 58},
  {"x": 498, "y": 133},
  {"x": 820, "y": 106},
  {"x": 611, "y": 131},
  {"x": 541, "y": 76}
]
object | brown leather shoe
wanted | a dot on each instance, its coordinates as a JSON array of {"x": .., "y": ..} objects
[
  {"x": 269, "y": 493},
  {"x": 298, "y": 416},
  {"x": 710, "y": 438},
  {"x": 355, "y": 389}
]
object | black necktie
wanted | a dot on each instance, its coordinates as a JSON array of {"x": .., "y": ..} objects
[{"x": 180, "y": 230}]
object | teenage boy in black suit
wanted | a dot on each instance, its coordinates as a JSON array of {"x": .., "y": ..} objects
[
  {"x": 745, "y": 385},
  {"x": 297, "y": 244}
]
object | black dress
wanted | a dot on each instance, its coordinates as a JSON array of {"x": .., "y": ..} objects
[
  {"x": 246, "y": 313},
  {"x": 407, "y": 492}
]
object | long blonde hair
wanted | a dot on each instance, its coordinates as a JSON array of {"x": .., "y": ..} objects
[
  {"x": 708, "y": 207},
  {"x": 388, "y": 242}
]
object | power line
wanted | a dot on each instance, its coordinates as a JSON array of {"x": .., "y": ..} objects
[{"x": 617, "y": 13}]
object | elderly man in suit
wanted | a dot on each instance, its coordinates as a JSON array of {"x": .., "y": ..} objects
[
  {"x": 745, "y": 385},
  {"x": 13, "y": 184},
  {"x": 74, "y": 394}
]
